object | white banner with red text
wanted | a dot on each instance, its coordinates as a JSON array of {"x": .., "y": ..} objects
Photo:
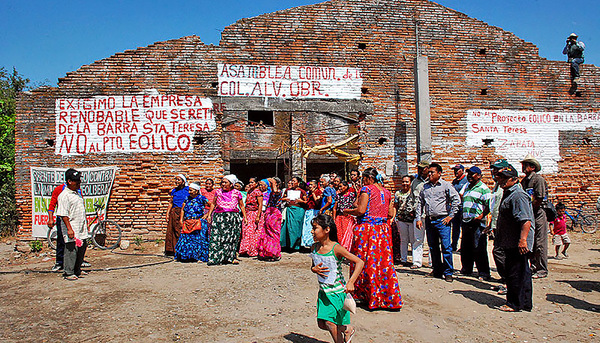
[{"x": 130, "y": 123}]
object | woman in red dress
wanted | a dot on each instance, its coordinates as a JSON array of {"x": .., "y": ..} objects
[
  {"x": 345, "y": 222},
  {"x": 378, "y": 283}
]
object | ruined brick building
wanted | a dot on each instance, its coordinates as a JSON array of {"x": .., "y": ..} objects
[{"x": 283, "y": 82}]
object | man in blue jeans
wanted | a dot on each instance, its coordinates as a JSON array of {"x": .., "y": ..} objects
[{"x": 438, "y": 204}]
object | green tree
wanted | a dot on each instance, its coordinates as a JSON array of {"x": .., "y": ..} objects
[{"x": 11, "y": 84}]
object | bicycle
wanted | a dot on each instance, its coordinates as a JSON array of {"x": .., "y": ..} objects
[
  {"x": 106, "y": 233},
  {"x": 588, "y": 224}
]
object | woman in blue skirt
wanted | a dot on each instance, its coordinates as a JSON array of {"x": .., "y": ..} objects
[{"x": 193, "y": 242}]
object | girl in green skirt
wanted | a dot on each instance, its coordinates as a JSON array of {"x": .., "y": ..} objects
[{"x": 327, "y": 257}]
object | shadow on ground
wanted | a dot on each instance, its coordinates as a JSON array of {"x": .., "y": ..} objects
[
  {"x": 300, "y": 338},
  {"x": 576, "y": 303},
  {"x": 475, "y": 283},
  {"x": 583, "y": 285},
  {"x": 482, "y": 298}
]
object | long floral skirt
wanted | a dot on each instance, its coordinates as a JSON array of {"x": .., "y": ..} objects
[
  {"x": 377, "y": 283},
  {"x": 307, "y": 237},
  {"x": 251, "y": 233},
  {"x": 345, "y": 229},
  {"x": 193, "y": 246},
  {"x": 291, "y": 231},
  {"x": 268, "y": 244},
  {"x": 224, "y": 237}
]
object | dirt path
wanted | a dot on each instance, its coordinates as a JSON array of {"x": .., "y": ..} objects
[{"x": 276, "y": 302}]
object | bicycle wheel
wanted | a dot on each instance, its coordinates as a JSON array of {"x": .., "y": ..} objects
[
  {"x": 588, "y": 224},
  {"x": 107, "y": 235},
  {"x": 51, "y": 238}
]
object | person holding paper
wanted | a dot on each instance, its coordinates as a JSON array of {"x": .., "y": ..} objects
[
  {"x": 291, "y": 231},
  {"x": 327, "y": 256}
]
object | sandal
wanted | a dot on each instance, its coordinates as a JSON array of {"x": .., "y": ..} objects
[
  {"x": 236, "y": 261},
  {"x": 414, "y": 266},
  {"x": 348, "y": 339},
  {"x": 71, "y": 277},
  {"x": 506, "y": 308}
]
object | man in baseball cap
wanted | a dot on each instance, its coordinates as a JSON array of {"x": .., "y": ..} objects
[
  {"x": 514, "y": 235},
  {"x": 499, "y": 164},
  {"x": 73, "y": 175},
  {"x": 476, "y": 206},
  {"x": 497, "y": 251}
]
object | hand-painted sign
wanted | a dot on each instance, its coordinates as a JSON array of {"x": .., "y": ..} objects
[
  {"x": 515, "y": 134},
  {"x": 289, "y": 81},
  {"x": 130, "y": 123},
  {"x": 96, "y": 184}
]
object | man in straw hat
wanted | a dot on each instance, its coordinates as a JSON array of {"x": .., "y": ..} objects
[{"x": 537, "y": 188}]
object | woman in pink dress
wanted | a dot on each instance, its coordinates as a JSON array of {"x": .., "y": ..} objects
[
  {"x": 269, "y": 248},
  {"x": 251, "y": 230},
  {"x": 226, "y": 223},
  {"x": 378, "y": 283}
]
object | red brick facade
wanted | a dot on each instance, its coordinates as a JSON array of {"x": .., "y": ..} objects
[{"x": 465, "y": 57}]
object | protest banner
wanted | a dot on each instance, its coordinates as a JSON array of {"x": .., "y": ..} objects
[
  {"x": 516, "y": 134},
  {"x": 130, "y": 123},
  {"x": 309, "y": 82},
  {"x": 96, "y": 184}
]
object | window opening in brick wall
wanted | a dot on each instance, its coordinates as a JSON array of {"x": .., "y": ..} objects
[
  {"x": 50, "y": 142},
  {"x": 260, "y": 117},
  {"x": 362, "y": 46},
  {"x": 261, "y": 168},
  {"x": 483, "y": 91},
  {"x": 578, "y": 94},
  {"x": 214, "y": 84},
  {"x": 482, "y": 51},
  {"x": 198, "y": 140},
  {"x": 487, "y": 141},
  {"x": 364, "y": 90},
  {"x": 314, "y": 169},
  {"x": 381, "y": 140}
]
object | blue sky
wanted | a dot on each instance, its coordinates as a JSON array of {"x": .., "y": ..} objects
[{"x": 46, "y": 39}]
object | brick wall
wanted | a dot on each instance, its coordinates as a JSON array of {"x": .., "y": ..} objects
[{"x": 465, "y": 56}]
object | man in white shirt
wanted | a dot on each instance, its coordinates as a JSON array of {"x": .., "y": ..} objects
[{"x": 71, "y": 210}]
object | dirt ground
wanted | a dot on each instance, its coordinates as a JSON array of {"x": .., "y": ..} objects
[{"x": 276, "y": 302}]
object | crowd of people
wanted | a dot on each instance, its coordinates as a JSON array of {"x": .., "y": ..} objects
[
  {"x": 356, "y": 220},
  {"x": 262, "y": 218}
]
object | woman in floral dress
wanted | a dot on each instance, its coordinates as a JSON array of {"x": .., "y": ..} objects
[
  {"x": 269, "y": 248},
  {"x": 226, "y": 226},
  {"x": 192, "y": 244},
  {"x": 378, "y": 283}
]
